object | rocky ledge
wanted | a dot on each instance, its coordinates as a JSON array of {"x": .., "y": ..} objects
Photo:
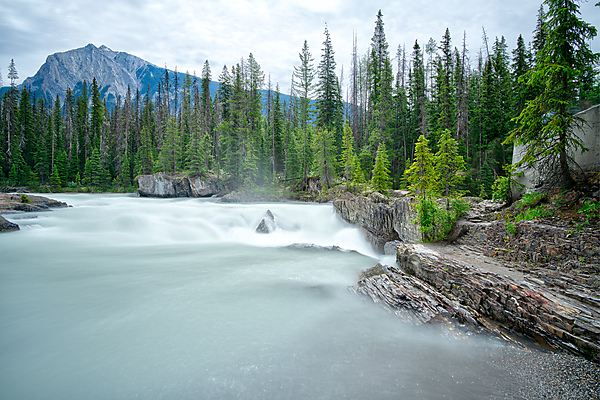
[
  {"x": 173, "y": 185},
  {"x": 15, "y": 202},
  {"x": 439, "y": 282},
  {"x": 11, "y": 203},
  {"x": 382, "y": 220},
  {"x": 530, "y": 278}
]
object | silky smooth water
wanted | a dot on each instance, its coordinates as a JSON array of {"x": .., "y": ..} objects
[{"x": 120, "y": 297}]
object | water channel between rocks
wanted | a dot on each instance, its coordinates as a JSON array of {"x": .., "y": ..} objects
[{"x": 121, "y": 297}]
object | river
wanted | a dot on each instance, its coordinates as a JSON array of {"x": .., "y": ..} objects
[{"x": 120, "y": 297}]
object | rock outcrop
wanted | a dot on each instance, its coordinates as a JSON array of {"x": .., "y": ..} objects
[
  {"x": 11, "y": 203},
  {"x": 169, "y": 185},
  {"x": 381, "y": 220},
  {"x": 14, "y": 202},
  {"x": 7, "y": 226}
]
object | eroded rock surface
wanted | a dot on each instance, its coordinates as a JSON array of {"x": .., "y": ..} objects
[{"x": 382, "y": 220}]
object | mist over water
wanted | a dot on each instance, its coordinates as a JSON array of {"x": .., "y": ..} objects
[{"x": 122, "y": 297}]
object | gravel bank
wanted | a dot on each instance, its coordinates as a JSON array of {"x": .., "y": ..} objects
[{"x": 539, "y": 375}]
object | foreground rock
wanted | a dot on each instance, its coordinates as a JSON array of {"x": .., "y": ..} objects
[
  {"x": 562, "y": 321},
  {"x": 412, "y": 300},
  {"x": 7, "y": 226},
  {"x": 172, "y": 185}
]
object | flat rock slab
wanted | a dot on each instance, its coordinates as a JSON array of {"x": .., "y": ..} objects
[{"x": 11, "y": 202}]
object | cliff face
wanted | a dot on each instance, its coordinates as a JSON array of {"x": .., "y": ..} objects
[
  {"x": 380, "y": 219},
  {"x": 166, "y": 185}
]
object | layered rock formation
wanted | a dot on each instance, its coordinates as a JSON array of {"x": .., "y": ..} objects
[
  {"x": 168, "y": 185},
  {"x": 538, "y": 280}
]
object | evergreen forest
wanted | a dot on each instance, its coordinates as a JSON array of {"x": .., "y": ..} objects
[{"x": 438, "y": 116}]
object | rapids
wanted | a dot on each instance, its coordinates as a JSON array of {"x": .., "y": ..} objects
[{"x": 122, "y": 297}]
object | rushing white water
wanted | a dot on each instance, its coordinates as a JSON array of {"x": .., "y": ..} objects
[{"x": 122, "y": 297}]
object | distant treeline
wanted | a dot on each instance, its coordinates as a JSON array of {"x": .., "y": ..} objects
[{"x": 249, "y": 136}]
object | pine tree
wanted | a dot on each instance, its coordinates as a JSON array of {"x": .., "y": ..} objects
[
  {"x": 13, "y": 74},
  {"x": 55, "y": 178},
  {"x": 381, "y": 171},
  {"x": 520, "y": 66},
  {"x": 545, "y": 125}
]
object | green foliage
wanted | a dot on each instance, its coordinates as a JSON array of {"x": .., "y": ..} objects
[
  {"x": 534, "y": 206},
  {"x": 590, "y": 211},
  {"x": 25, "y": 199},
  {"x": 448, "y": 165},
  {"x": 381, "y": 171},
  {"x": 421, "y": 174},
  {"x": 55, "y": 178},
  {"x": 436, "y": 222},
  {"x": 325, "y": 160},
  {"x": 504, "y": 186},
  {"x": 532, "y": 199}
]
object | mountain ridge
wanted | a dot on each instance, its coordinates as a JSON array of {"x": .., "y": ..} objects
[{"x": 115, "y": 72}]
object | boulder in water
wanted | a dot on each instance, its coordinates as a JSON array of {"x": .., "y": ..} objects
[
  {"x": 267, "y": 224},
  {"x": 7, "y": 226}
]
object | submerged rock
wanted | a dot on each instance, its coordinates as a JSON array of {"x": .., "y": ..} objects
[{"x": 267, "y": 224}]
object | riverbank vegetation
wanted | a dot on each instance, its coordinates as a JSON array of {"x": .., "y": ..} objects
[{"x": 463, "y": 106}]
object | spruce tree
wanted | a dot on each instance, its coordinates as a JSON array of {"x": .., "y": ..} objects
[
  {"x": 380, "y": 85},
  {"x": 303, "y": 88},
  {"x": 448, "y": 165},
  {"x": 325, "y": 156},
  {"x": 421, "y": 174},
  {"x": 329, "y": 101}
]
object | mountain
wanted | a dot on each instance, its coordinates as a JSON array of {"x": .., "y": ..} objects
[{"x": 114, "y": 71}]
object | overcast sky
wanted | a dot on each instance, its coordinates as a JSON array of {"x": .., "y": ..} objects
[{"x": 185, "y": 33}]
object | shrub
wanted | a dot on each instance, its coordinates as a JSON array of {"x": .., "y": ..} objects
[
  {"x": 25, "y": 199},
  {"x": 437, "y": 222}
]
